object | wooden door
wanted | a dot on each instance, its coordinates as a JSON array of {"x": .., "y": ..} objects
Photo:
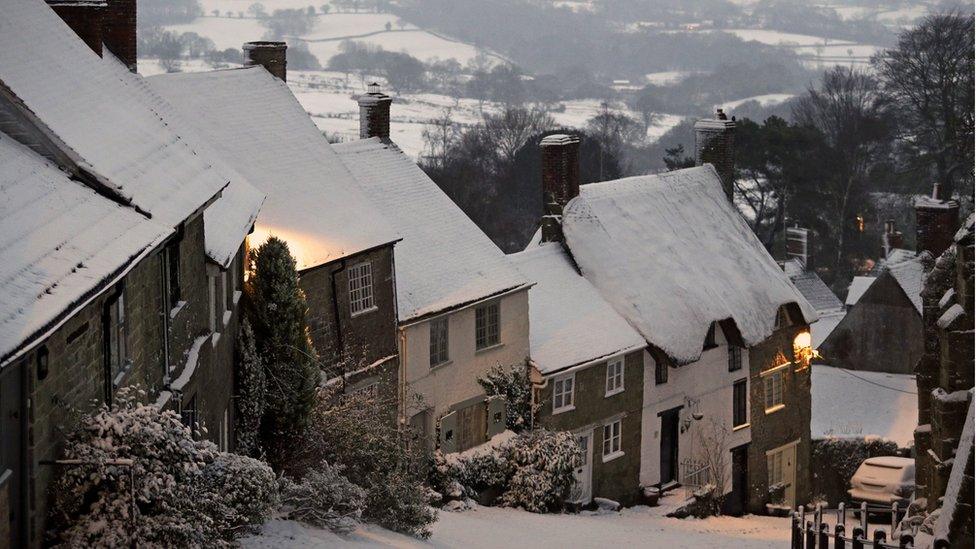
[{"x": 669, "y": 446}]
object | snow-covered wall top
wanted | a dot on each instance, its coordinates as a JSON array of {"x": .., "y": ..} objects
[
  {"x": 256, "y": 124},
  {"x": 111, "y": 122},
  {"x": 444, "y": 259},
  {"x": 570, "y": 322},
  {"x": 672, "y": 255},
  {"x": 59, "y": 241}
]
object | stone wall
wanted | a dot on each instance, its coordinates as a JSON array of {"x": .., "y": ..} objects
[{"x": 619, "y": 478}]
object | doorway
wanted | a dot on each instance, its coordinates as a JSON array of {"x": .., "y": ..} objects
[
  {"x": 781, "y": 469},
  {"x": 669, "y": 446},
  {"x": 738, "y": 500},
  {"x": 583, "y": 488}
]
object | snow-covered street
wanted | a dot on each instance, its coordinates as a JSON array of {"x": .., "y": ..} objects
[{"x": 497, "y": 527}]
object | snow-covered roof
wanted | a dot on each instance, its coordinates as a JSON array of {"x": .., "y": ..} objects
[
  {"x": 857, "y": 404},
  {"x": 910, "y": 275},
  {"x": 444, "y": 259},
  {"x": 813, "y": 288},
  {"x": 897, "y": 255},
  {"x": 252, "y": 119},
  {"x": 571, "y": 323},
  {"x": 824, "y": 325},
  {"x": 110, "y": 123},
  {"x": 859, "y": 285},
  {"x": 60, "y": 243},
  {"x": 672, "y": 255}
]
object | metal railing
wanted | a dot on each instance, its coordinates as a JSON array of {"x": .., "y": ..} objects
[{"x": 813, "y": 531}]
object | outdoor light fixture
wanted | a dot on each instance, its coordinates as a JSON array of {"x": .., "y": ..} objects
[{"x": 803, "y": 350}]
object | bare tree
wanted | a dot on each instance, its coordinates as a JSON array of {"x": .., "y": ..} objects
[
  {"x": 929, "y": 75},
  {"x": 711, "y": 440},
  {"x": 512, "y": 128}
]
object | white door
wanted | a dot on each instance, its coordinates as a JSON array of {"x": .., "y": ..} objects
[
  {"x": 781, "y": 468},
  {"x": 583, "y": 490}
]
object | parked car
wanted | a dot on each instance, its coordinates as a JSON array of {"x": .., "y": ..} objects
[{"x": 881, "y": 481}]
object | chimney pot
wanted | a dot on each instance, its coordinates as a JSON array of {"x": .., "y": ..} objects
[
  {"x": 560, "y": 181},
  {"x": 715, "y": 145},
  {"x": 270, "y": 55},
  {"x": 374, "y": 113},
  {"x": 85, "y": 17}
]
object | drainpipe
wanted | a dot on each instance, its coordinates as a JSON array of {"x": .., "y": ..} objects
[
  {"x": 335, "y": 313},
  {"x": 535, "y": 386},
  {"x": 402, "y": 377}
]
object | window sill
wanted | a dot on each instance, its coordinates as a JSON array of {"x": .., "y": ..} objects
[
  {"x": 556, "y": 411},
  {"x": 440, "y": 365},
  {"x": 180, "y": 305},
  {"x": 610, "y": 457},
  {"x": 775, "y": 409},
  {"x": 614, "y": 392},
  {"x": 117, "y": 380},
  {"x": 489, "y": 348},
  {"x": 741, "y": 427},
  {"x": 363, "y": 312}
]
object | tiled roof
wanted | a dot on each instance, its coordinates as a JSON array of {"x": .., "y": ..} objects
[
  {"x": 60, "y": 243},
  {"x": 444, "y": 260},
  {"x": 257, "y": 126},
  {"x": 814, "y": 289},
  {"x": 571, "y": 322},
  {"x": 672, "y": 256}
]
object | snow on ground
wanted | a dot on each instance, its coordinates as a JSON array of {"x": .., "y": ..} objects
[
  {"x": 858, "y": 404},
  {"x": 226, "y": 32},
  {"x": 667, "y": 78},
  {"x": 764, "y": 100},
  {"x": 777, "y": 38},
  {"x": 497, "y": 527},
  {"x": 816, "y": 51}
]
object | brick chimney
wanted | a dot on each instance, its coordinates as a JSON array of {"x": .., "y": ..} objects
[
  {"x": 84, "y": 17},
  {"x": 715, "y": 145},
  {"x": 270, "y": 55},
  {"x": 891, "y": 239},
  {"x": 374, "y": 113},
  {"x": 560, "y": 181},
  {"x": 936, "y": 222},
  {"x": 119, "y": 31}
]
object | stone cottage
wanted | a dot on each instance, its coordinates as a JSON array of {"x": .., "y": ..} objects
[
  {"x": 122, "y": 247},
  {"x": 723, "y": 385}
]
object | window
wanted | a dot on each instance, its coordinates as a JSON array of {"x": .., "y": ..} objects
[
  {"x": 438, "y": 341},
  {"x": 361, "y": 288},
  {"x": 735, "y": 358},
  {"x": 188, "y": 413},
  {"x": 223, "y": 291},
  {"x": 611, "y": 440},
  {"x": 740, "y": 399},
  {"x": 171, "y": 273},
  {"x": 773, "y": 388},
  {"x": 710, "y": 338},
  {"x": 486, "y": 331},
  {"x": 660, "y": 371},
  {"x": 615, "y": 376},
  {"x": 118, "y": 354},
  {"x": 212, "y": 285},
  {"x": 562, "y": 394}
]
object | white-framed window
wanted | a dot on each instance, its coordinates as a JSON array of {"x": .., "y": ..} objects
[
  {"x": 615, "y": 376},
  {"x": 361, "y": 288},
  {"x": 611, "y": 440},
  {"x": 118, "y": 352},
  {"x": 773, "y": 388},
  {"x": 212, "y": 286},
  {"x": 487, "y": 332},
  {"x": 562, "y": 393},
  {"x": 439, "y": 338}
]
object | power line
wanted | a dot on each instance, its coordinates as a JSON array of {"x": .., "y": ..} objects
[{"x": 848, "y": 372}]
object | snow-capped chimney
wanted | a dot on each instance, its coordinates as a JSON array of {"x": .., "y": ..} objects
[
  {"x": 715, "y": 145},
  {"x": 374, "y": 113},
  {"x": 119, "y": 31},
  {"x": 891, "y": 239},
  {"x": 936, "y": 222},
  {"x": 84, "y": 17},
  {"x": 560, "y": 181},
  {"x": 270, "y": 55}
]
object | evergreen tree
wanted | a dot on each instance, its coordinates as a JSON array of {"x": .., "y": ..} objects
[
  {"x": 284, "y": 348},
  {"x": 252, "y": 391},
  {"x": 515, "y": 386}
]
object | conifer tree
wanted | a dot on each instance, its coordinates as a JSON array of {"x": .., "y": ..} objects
[
  {"x": 284, "y": 348},
  {"x": 251, "y": 391}
]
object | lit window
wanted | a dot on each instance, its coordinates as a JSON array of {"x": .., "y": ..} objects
[
  {"x": 361, "y": 288},
  {"x": 611, "y": 439},
  {"x": 740, "y": 400},
  {"x": 773, "y": 382},
  {"x": 562, "y": 394},
  {"x": 735, "y": 358},
  {"x": 486, "y": 330},
  {"x": 439, "y": 341},
  {"x": 615, "y": 376}
]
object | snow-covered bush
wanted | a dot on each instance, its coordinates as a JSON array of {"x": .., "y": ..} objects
[
  {"x": 534, "y": 470},
  {"x": 141, "y": 480},
  {"x": 251, "y": 391},
  {"x": 282, "y": 340},
  {"x": 356, "y": 432},
  {"x": 703, "y": 503},
  {"x": 513, "y": 384},
  {"x": 324, "y": 498}
]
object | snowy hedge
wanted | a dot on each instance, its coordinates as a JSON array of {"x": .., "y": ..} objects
[
  {"x": 835, "y": 460},
  {"x": 534, "y": 470},
  {"x": 513, "y": 384},
  {"x": 139, "y": 479},
  {"x": 324, "y": 498}
]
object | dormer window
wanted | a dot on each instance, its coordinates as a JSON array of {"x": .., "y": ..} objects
[{"x": 710, "y": 338}]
